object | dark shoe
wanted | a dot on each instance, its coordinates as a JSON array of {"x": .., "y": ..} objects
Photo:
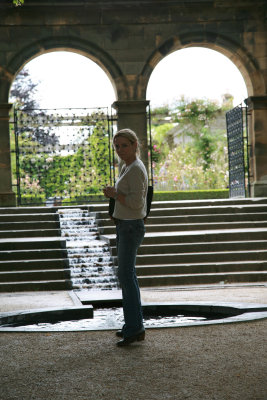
[
  {"x": 130, "y": 339},
  {"x": 119, "y": 333}
]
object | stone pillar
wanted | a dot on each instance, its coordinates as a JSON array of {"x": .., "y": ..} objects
[
  {"x": 257, "y": 109},
  {"x": 7, "y": 196},
  {"x": 132, "y": 114}
]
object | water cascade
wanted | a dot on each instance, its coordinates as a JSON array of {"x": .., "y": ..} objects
[{"x": 90, "y": 260}]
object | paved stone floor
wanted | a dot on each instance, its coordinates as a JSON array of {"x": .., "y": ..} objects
[
  {"x": 210, "y": 293},
  {"x": 198, "y": 363},
  {"x": 255, "y": 293},
  {"x": 215, "y": 362}
]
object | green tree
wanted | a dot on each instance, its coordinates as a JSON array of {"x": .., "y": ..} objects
[
  {"x": 197, "y": 113},
  {"x": 23, "y": 96},
  {"x": 23, "y": 91}
]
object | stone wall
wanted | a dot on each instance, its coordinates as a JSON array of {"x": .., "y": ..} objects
[{"x": 127, "y": 39}]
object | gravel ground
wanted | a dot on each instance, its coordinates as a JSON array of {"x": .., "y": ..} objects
[{"x": 216, "y": 362}]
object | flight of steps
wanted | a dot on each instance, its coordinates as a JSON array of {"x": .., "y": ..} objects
[
  {"x": 33, "y": 256},
  {"x": 199, "y": 242}
]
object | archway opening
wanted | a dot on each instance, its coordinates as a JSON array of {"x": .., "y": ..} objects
[
  {"x": 190, "y": 90},
  {"x": 66, "y": 79},
  {"x": 61, "y": 141}
]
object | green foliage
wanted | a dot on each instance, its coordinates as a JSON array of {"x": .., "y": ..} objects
[
  {"x": 30, "y": 199},
  {"x": 162, "y": 137},
  {"x": 83, "y": 172},
  {"x": 205, "y": 145},
  {"x": 197, "y": 112},
  {"x": 156, "y": 153},
  {"x": 46, "y": 169},
  {"x": 18, "y": 2},
  {"x": 162, "y": 110},
  {"x": 99, "y": 149},
  {"x": 160, "y": 113},
  {"x": 193, "y": 151},
  {"x": 184, "y": 169}
]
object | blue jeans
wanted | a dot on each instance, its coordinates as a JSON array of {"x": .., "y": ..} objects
[{"x": 130, "y": 234}]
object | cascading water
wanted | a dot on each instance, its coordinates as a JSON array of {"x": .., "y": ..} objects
[{"x": 90, "y": 260}]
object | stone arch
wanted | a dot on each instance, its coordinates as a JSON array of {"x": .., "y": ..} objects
[
  {"x": 238, "y": 55},
  {"x": 82, "y": 47}
]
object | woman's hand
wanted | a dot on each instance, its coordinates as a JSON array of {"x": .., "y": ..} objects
[{"x": 110, "y": 191}]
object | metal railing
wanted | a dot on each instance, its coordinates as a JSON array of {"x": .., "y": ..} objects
[{"x": 238, "y": 152}]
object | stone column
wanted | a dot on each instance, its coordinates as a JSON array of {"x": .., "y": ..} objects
[
  {"x": 7, "y": 196},
  {"x": 257, "y": 109},
  {"x": 132, "y": 114}
]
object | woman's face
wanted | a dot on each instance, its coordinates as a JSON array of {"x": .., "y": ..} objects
[{"x": 125, "y": 149}]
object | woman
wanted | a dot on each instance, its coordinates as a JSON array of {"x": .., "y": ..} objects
[{"x": 130, "y": 194}]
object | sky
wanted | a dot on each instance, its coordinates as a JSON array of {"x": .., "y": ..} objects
[
  {"x": 196, "y": 73},
  {"x": 68, "y": 79}
]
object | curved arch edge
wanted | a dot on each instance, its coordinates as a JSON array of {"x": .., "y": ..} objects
[{"x": 246, "y": 64}]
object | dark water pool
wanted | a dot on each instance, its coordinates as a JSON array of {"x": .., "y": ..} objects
[{"x": 107, "y": 318}]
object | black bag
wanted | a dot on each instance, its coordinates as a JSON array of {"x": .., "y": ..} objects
[{"x": 149, "y": 197}]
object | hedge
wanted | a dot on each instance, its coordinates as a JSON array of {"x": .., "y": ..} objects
[
  {"x": 158, "y": 196},
  {"x": 192, "y": 195}
]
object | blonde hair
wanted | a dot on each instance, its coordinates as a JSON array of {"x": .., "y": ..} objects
[{"x": 130, "y": 135}]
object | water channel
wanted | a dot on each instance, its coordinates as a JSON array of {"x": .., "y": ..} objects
[
  {"x": 90, "y": 259},
  {"x": 109, "y": 318}
]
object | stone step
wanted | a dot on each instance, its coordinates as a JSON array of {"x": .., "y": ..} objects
[
  {"x": 217, "y": 234},
  {"x": 198, "y": 236},
  {"x": 35, "y": 275},
  {"x": 206, "y": 236},
  {"x": 231, "y": 209},
  {"x": 35, "y": 286},
  {"x": 32, "y": 243},
  {"x": 191, "y": 258},
  {"x": 193, "y": 227},
  {"x": 215, "y": 267},
  {"x": 29, "y": 225},
  {"x": 20, "y": 265},
  {"x": 29, "y": 217},
  {"x": 199, "y": 247},
  {"x": 189, "y": 219},
  {"x": 198, "y": 210},
  {"x": 32, "y": 254},
  {"x": 209, "y": 202},
  {"x": 187, "y": 242},
  {"x": 209, "y": 218},
  {"x": 201, "y": 279},
  {"x": 28, "y": 210},
  {"x": 30, "y": 233},
  {"x": 189, "y": 203}
]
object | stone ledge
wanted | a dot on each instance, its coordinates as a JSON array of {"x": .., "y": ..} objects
[
  {"x": 218, "y": 313},
  {"x": 8, "y": 199}
]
